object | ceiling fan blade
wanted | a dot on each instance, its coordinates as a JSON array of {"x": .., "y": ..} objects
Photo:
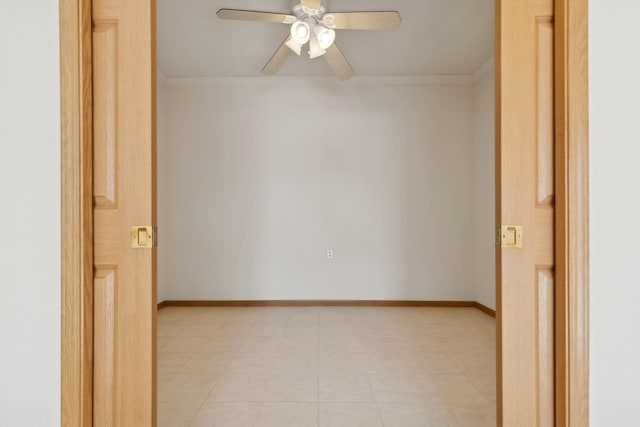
[
  {"x": 367, "y": 20},
  {"x": 313, "y": 4},
  {"x": 251, "y": 15},
  {"x": 278, "y": 59},
  {"x": 338, "y": 63}
]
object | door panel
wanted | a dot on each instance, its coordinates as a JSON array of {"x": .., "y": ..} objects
[
  {"x": 103, "y": 345},
  {"x": 104, "y": 110},
  {"x": 525, "y": 188},
  {"x": 546, "y": 377},
  {"x": 123, "y": 60}
]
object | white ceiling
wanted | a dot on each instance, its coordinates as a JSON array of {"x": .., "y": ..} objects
[{"x": 436, "y": 37}]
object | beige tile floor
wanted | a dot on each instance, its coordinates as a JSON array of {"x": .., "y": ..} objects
[{"x": 325, "y": 366}]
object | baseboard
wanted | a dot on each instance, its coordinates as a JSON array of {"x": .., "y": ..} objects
[
  {"x": 325, "y": 303},
  {"x": 483, "y": 308}
]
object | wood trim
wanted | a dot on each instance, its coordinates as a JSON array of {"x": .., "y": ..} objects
[
  {"x": 324, "y": 303},
  {"x": 498, "y": 203},
  {"x": 315, "y": 303},
  {"x": 483, "y": 308},
  {"x": 76, "y": 213},
  {"x": 572, "y": 220},
  {"x": 154, "y": 210}
]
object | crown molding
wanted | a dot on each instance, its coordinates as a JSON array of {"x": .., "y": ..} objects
[
  {"x": 488, "y": 66},
  {"x": 161, "y": 77},
  {"x": 424, "y": 80}
]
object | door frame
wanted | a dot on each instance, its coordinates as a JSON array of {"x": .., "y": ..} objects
[
  {"x": 572, "y": 212},
  {"x": 571, "y": 234},
  {"x": 76, "y": 161}
]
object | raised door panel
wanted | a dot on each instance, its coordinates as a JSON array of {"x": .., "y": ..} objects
[
  {"x": 545, "y": 349},
  {"x": 105, "y": 54},
  {"x": 104, "y": 294},
  {"x": 545, "y": 107}
]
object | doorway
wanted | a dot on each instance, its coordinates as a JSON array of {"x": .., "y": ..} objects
[
  {"x": 300, "y": 188},
  {"x": 80, "y": 134}
]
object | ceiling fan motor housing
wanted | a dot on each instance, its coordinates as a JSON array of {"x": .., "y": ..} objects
[{"x": 303, "y": 12}]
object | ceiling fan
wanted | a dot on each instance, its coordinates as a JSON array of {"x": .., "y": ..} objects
[{"x": 310, "y": 23}]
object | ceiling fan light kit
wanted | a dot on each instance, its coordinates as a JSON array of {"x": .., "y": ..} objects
[{"x": 310, "y": 23}]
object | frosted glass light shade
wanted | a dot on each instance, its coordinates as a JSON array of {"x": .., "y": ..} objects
[
  {"x": 294, "y": 46},
  {"x": 315, "y": 50},
  {"x": 300, "y": 32},
  {"x": 325, "y": 36}
]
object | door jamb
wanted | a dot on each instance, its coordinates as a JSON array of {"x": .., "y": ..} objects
[
  {"x": 76, "y": 214},
  {"x": 572, "y": 219}
]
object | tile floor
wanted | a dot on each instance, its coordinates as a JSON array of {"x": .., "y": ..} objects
[{"x": 325, "y": 366}]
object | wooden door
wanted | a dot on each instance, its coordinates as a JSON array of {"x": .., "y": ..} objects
[
  {"x": 525, "y": 189},
  {"x": 124, "y": 292}
]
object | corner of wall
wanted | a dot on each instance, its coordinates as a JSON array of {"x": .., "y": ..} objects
[
  {"x": 486, "y": 69},
  {"x": 483, "y": 281},
  {"x": 161, "y": 88}
]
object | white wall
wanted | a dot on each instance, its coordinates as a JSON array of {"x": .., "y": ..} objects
[
  {"x": 614, "y": 63},
  {"x": 484, "y": 174},
  {"x": 162, "y": 176},
  {"x": 29, "y": 214},
  {"x": 262, "y": 179}
]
